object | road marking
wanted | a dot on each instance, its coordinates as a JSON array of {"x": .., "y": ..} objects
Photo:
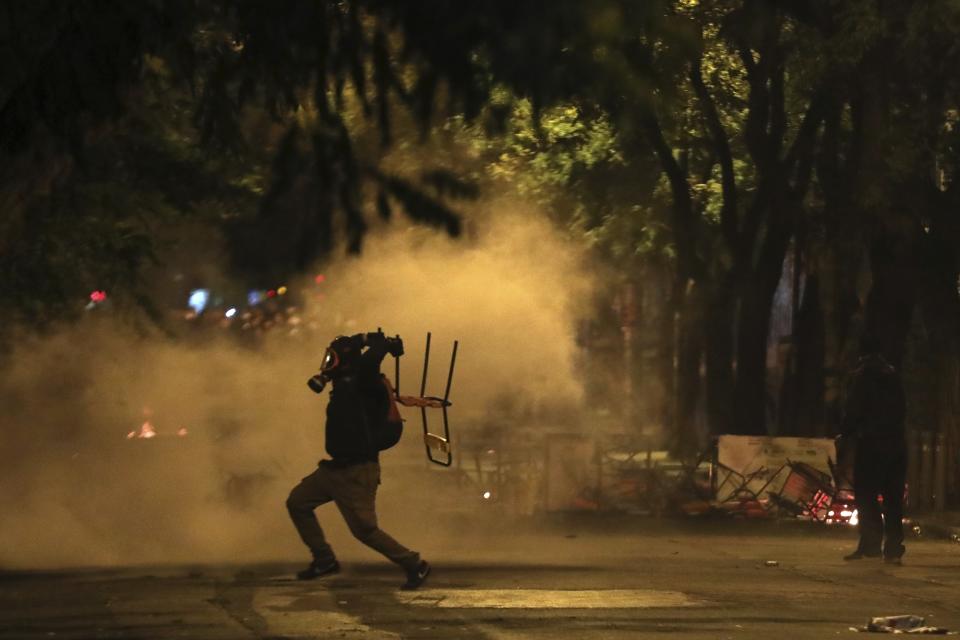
[
  {"x": 161, "y": 612},
  {"x": 294, "y": 613},
  {"x": 547, "y": 599}
]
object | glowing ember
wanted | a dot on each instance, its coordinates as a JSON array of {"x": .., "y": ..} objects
[{"x": 146, "y": 431}]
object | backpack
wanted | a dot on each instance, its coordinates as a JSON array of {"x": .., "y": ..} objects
[{"x": 389, "y": 428}]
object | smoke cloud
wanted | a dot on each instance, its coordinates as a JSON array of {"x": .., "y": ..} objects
[{"x": 236, "y": 426}]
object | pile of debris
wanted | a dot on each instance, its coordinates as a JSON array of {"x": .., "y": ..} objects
[{"x": 902, "y": 624}]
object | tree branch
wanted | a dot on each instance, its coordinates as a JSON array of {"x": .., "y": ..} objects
[
  {"x": 758, "y": 102},
  {"x": 728, "y": 212},
  {"x": 828, "y": 157},
  {"x": 800, "y": 156},
  {"x": 685, "y": 230},
  {"x": 778, "y": 113}
]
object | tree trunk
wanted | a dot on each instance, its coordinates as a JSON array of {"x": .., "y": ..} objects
[
  {"x": 756, "y": 300},
  {"x": 890, "y": 303},
  {"x": 686, "y": 435},
  {"x": 750, "y": 393},
  {"x": 808, "y": 375},
  {"x": 718, "y": 340},
  {"x": 667, "y": 356},
  {"x": 941, "y": 312}
]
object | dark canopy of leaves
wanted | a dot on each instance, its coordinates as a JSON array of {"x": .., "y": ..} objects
[{"x": 73, "y": 72}]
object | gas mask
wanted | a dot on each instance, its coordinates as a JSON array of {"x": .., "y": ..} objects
[{"x": 339, "y": 360}]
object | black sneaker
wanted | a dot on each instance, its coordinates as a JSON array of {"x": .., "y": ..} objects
[
  {"x": 416, "y": 577},
  {"x": 892, "y": 560},
  {"x": 860, "y": 555},
  {"x": 318, "y": 570}
]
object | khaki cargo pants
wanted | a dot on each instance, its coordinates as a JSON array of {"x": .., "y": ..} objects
[{"x": 354, "y": 490}]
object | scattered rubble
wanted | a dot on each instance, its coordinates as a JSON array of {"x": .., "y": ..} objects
[{"x": 901, "y": 624}]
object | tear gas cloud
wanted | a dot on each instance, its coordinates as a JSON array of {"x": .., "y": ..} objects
[{"x": 77, "y": 491}]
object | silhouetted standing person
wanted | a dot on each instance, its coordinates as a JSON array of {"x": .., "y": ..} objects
[
  {"x": 355, "y": 428},
  {"x": 874, "y": 423}
]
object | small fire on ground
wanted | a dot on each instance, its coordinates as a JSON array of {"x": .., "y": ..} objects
[{"x": 148, "y": 431}]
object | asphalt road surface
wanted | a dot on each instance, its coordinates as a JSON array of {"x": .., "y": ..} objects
[{"x": 584, "y": 579}]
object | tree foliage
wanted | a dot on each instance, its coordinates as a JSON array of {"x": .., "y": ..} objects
[
  {"x": 717, "y": 137},
  {"x": 74, "y": 73}
]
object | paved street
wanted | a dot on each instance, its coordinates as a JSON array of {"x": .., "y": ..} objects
[{"x": 589, "y": 578}]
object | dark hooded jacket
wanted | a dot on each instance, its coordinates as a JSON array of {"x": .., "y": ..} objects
[
  {"x": 358, "y": 402},
  {"x": 876, "y": 408}
]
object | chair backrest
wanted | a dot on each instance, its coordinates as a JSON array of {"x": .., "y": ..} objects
[{"x": 804, "y": 482}]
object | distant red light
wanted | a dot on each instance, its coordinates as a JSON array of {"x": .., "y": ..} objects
[
  {"x": 98, "y": 296},
  {"x": 272, "y": 293},
  {"x": 320, "y": 279}
]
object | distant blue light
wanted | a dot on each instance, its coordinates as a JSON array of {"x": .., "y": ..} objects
[
  {"x": 255, "y": 297},
  {"x": 198, "y": 299}
]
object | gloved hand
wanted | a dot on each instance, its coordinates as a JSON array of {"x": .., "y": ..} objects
[
  {"x": 375, "y": 339},
  {"x": 395, "y": 346}
]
